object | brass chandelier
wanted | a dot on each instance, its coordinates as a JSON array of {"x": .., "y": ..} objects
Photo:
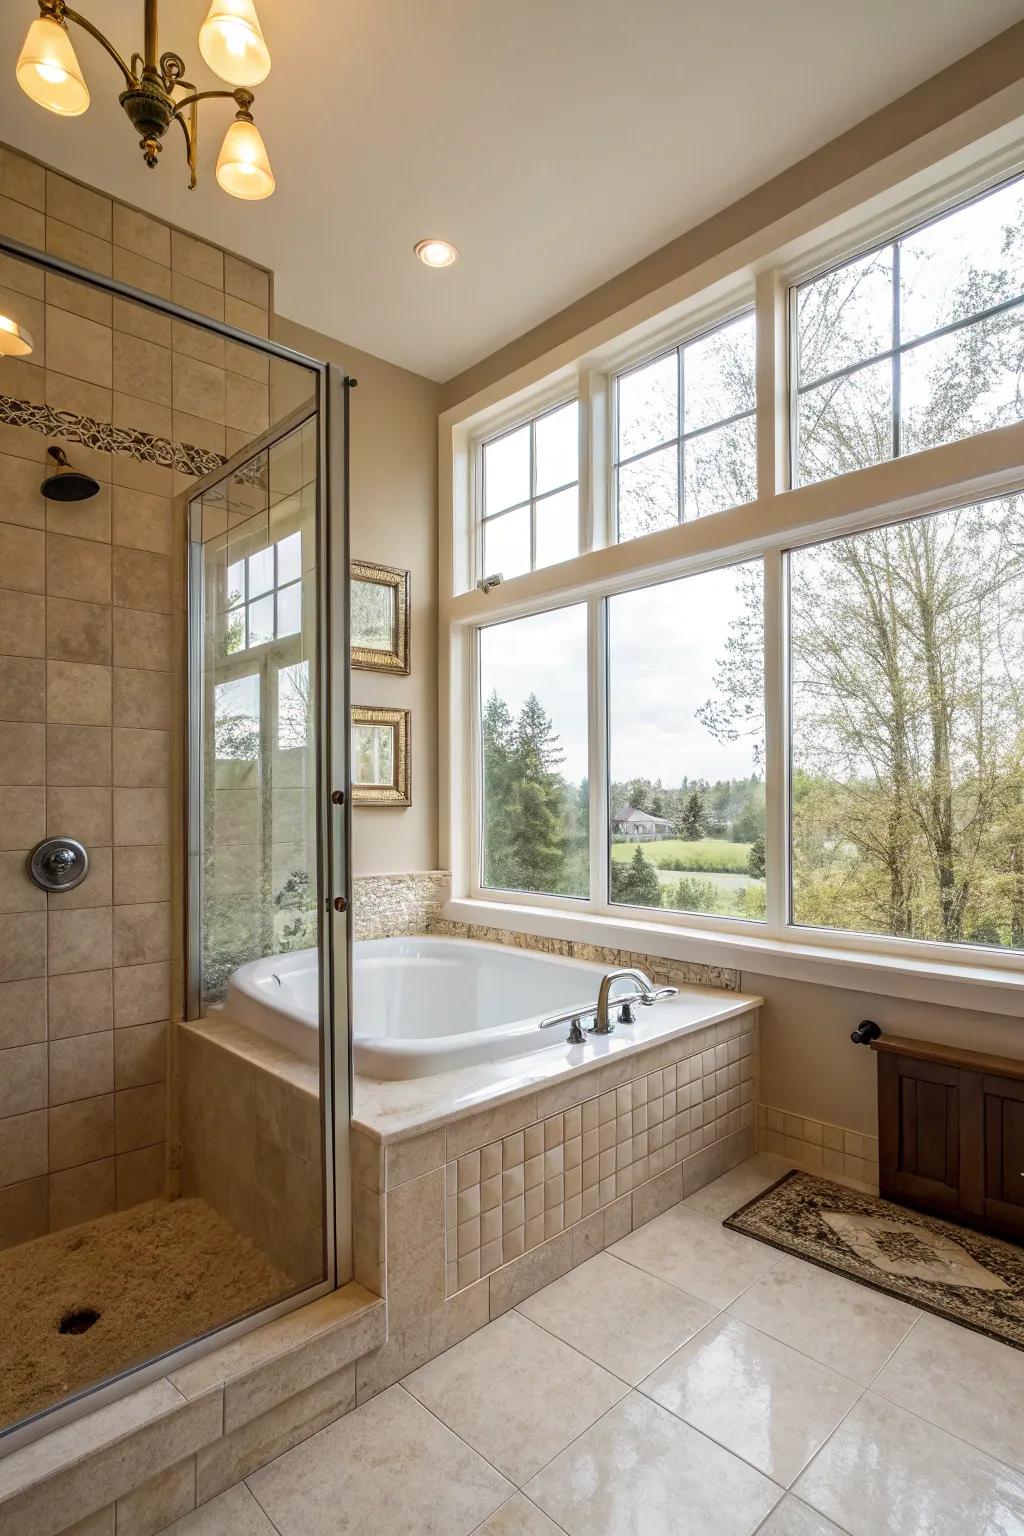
[{"x": 156, "y": 92}]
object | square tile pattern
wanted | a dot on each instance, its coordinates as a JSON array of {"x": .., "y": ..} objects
[
  {"x": 512, "y": 1194},
  {"x": 788, "y": 1411}
]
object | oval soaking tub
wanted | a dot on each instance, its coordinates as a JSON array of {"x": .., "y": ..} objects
[{"x": 425, "y": 1005}]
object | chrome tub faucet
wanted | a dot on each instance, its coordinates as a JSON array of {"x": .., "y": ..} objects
[{"x": 644, "y": 992}]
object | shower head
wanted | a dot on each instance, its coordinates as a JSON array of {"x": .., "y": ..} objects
[{"x": 67, "y": 484}]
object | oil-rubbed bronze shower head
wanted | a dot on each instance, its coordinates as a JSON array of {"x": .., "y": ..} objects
[{"x": 67, "y": 484}]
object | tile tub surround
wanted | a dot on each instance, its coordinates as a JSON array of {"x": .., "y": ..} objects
[
  {"x": 142, "y": 1462},
  {"x": 390, "y": 906},
  {"x": 91, "y": 677},
  {"x": 457, "y": 1222},
  {"x": 250, "y": 1140},
  {"x": 844, "y": 1155}
]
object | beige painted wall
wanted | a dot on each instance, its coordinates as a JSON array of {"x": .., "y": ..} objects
[
  {"x": 809, "y": 1065},
  {"x": 394, "y": 521}
]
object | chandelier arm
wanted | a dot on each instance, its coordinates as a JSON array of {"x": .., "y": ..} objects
[
  {"x": 190, "y": 130},
  {"x": 197, "y": 96},
  {"x": 69, "y": 15}
]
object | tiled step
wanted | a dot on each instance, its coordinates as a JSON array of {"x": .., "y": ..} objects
[{"x": 230, "y": 1409}]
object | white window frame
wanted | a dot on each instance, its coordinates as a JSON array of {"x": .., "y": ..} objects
[
  {"x": 480, "y": 515},
  {"x": 780, "y": 518}
]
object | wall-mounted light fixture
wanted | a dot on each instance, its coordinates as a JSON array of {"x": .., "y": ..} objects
[
  {"x": 230, "y": 40},
  {"x": 15, "y": 341}
]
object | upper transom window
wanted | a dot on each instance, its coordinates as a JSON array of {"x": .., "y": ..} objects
[
  {"x": 917, "y": 343},
  {"x": 685, "y": 438},
  {"x": 264, "y": 596},
  {"x": 530, "y": 494}
]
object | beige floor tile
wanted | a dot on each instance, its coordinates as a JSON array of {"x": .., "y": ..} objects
[
  {"x": 844, "y": 1325},
  {"x": 234, "y": 1513},
  {"x": 642, "y": 1471},
  {"x": 757, "y": 1397},
  {"x": 697, "y": 1254},
  {"x": 794, "y": 1518},
  {"x": 886, "y": 1472},
  {"x": 725, "y": 1195},
  {"x": 963, "y": 1382},
  {"x": 620, "y": 1316},
  {"x": 515, "y": 1394},
  {"x": 519, "y": 1518},
  {"x": 388, "y": 1466}
]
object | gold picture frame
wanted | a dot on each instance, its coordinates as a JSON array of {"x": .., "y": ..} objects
[
  {"x": 381, "y": 758},
  {"x": 379, "y": 612}
]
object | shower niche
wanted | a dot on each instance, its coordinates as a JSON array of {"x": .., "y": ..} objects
[{"x": 171, "y": 502}]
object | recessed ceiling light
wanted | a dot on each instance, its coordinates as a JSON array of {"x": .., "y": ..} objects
[{"x": 436, "y": 253}]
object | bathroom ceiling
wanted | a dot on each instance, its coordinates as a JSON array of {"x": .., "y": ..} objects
[{"x": 553, "y": 141}]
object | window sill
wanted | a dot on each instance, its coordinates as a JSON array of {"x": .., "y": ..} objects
[{"x": 983, "y": 988}]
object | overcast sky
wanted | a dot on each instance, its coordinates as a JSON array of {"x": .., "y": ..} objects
[{"x": 664, "y": 643}]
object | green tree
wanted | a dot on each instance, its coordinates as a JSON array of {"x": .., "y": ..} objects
[
  {"x": 636, "y": 884},
  {"x": 756, "y": 859},
  {"x": 693, "y": 823}
]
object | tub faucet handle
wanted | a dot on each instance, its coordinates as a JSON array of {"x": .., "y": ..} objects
[{"x": 575, "y": 1035}]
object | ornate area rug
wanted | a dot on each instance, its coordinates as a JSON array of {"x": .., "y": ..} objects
[{"x": 958, "y": 1274}]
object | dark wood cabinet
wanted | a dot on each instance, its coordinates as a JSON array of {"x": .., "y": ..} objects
[{"x": 951, "y": 1133}]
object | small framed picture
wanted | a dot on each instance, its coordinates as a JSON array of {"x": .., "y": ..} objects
[
  {"x": 380, "y": 756},
  {"x": 379, "y": 618}
]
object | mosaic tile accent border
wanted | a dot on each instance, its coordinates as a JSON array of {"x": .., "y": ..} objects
[
  {"x": 818, "y": 1146},
  {"x": 106, "y": 438},
  {"x": 389, "y": 906},
  {"x": 512, "y": 1194}
]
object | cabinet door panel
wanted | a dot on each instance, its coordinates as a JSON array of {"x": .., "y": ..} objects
[
  {"x": 1004, "y": 1151},
  {"x": 919, "y": 1131}
]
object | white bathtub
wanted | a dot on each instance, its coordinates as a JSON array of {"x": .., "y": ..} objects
[{"x": 421, "y": 1005}]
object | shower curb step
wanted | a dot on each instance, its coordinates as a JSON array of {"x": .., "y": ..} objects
[{"x": 49, "y": 1484}]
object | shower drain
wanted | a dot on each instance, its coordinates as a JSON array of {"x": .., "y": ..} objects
[{"x": 79, "y": 1321}]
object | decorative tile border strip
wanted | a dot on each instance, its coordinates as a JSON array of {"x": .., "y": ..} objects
[
  {"x": 387, "y": 906},
  {"x": 818, "y": 1146},
  {"x": 106, "y": 438}
]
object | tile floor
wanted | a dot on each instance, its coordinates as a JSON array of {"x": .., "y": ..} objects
[{"x": 687, "y": 1380}]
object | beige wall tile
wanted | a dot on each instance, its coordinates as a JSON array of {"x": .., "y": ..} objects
[
  {"x": 80, "y": 298},
  {"x": 81, "y": 1003},
  {"x": 22, "y": 558},
  {"x": 17, "y": 892},
  {"x": 138, "y": 320},
  {"x": 409, "y": 1159},
  {"x": 145, "y": 236},
  {"x": 143, "y": 641},
  {"x": 22, "y": 1147},
  {"x": 22, "y": 1012},
  {"x": 22, "y": 684},
  {"x": 142, "y": 994},
  {"x": 141, "y": 415},
  {"x": 199, "y": 389},
  {"x": 415, "y": 1213},
  {"x": 81, "y": 1194},
  {"x": 77, "y": 568},
  {"x": 244, "y": 281},
  {"x": 81, "y": 1067},
  {"x": 22, "y": 753},
  {"x": 22, "y": 179},
  {"x": 77, "y": 754},
  {"x": 23, "y": 951},
  {"x": 515, "y": 1281},
  {"x": 22, "y": 223},
  {"x": 79, "y": 941},
  {"x": 139, "y": 1116},
  {"x": 141, "y": 1175},
  {"x": 77, "y": 694},
  {"x": 141, "y": 817},
  {"x": 142, "y": 933},
  {"x": 79, "y": 348},
  {"x": 142, "y": 874},
  {"x": 140, "y": 475},
  {"x": 416, "y": 1281},
  {"x": 81, "y": 1132},
  {"x": 139, "y": 272},
  {"x": 74, "y": 204},
  {"x": 19, "y": 275},
  {"x": 142, "y": 580},
  {"x": 76, "y": 245},
  {"x": 97, "y": 888},
  {"x": 193, "y": 341},
  {"x": 22, "y": 624},
  {"x": 142, "y": 759},
  {"x": 198, "y": 296},
  {"x": 22, "y": 1079},
  {"x": 82, "y": 813},
  {"x": 165, "y": 1498},
  {"x": 245, "y": 317},
  {"x": 23, "y": 1214},
  {"x": 198, "y": 432},
  {"x": 143, "y": 521},
  {"x": 247, "y": 404},
  {"x": 247, "y": 362},
  {"x": 196, "y": 259},
  {"x": 78, "y": 631},
  {"x": 21, "y": 500},
  {"x": 141, "y": 368},
  {"x": 140, "y": 1055}
]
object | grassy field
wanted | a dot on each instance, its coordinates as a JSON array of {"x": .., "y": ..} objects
[{"x": 707, "y": 855}]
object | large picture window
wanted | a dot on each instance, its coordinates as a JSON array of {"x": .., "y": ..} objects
[
  {"x": 918, "y": 343},
  {"x": 908, "y": 728},
  {"x": 534, "y": 754},
  {"x": 685, "y": 443},
  {"x": 686, "y": 744}
]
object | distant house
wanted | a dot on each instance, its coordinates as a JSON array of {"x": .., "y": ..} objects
[{"x": 640, "y": 825}]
